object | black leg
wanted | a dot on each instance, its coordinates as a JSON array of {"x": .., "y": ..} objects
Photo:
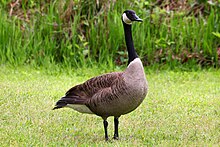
[
  {"x": 116, "y": 122},
  {"x": 106, "y": 127}
]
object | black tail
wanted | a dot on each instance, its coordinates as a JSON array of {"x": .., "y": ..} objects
[
  {"x": 69, "y": 100},
  {"x": 60, "y": 104}
]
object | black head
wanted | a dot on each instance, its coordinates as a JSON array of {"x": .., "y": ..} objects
[{"x": 129, "y": 15}]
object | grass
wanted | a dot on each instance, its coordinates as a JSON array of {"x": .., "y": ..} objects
[
  {"x": 181, "y": 109},
  {"x": 89, "y": 35}
]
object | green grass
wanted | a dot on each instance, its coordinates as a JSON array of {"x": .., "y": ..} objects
[
  {"x": 181, "y": 109},
  {"x": 90, "y": 35}
]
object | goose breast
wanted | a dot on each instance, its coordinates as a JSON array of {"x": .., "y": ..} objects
[{"x": 125, "y": 95}]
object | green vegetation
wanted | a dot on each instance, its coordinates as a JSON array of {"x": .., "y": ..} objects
[
  {"x": 80, "y": 33},
  {"x": 181, "y": 109},
  {"x": 46, "y": 47}
]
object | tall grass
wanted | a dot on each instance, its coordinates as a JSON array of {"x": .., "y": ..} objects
[
  {"x": 92, "y": 36},
  {"x": 11, "y": 41}
]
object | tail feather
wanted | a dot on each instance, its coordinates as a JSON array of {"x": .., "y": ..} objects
[{"x": 69, "y": 100}]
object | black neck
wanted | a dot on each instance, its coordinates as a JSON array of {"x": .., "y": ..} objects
[{"x": 129, "y": 43}]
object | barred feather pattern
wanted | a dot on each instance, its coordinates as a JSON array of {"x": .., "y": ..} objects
[
  {"x": 112, "y": 94},
  {"x": 93, "y": 85},
  {"x": 91, "y": 92}
]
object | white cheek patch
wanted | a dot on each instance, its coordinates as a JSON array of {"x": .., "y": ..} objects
[{"x": 126, "y": 19}]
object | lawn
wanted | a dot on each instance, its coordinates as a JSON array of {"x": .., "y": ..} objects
[{"x": 181, "y": 108}]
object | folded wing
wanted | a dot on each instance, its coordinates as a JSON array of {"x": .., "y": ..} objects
[{"x": 78, "y": 96}]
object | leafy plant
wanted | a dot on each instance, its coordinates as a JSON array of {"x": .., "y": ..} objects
[{"x": 80, "y": 33}]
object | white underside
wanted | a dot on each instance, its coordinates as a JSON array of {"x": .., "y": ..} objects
[{"x": 80, "y": 108}]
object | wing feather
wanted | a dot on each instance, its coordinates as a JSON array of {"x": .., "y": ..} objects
[{"x": 83, "y": 93}]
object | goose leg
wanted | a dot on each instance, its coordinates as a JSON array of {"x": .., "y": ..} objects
[
  {"x": 116, "y": 122},
  {"x": 106, "y": 127}
]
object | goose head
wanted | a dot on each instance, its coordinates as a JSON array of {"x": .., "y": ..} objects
[{"x": 129, "y": 16}]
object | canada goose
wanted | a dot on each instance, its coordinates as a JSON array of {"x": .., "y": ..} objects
[{"x": 112, "y": 94}]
